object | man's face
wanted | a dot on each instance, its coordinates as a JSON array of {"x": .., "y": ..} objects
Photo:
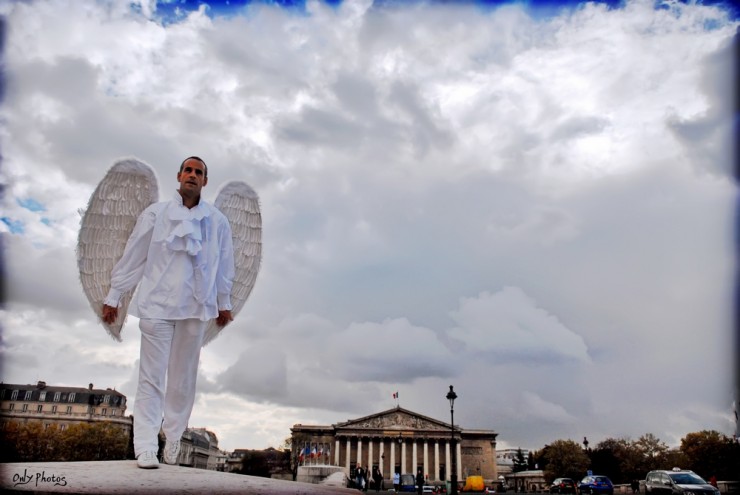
[{"x": 192, "y": 177}]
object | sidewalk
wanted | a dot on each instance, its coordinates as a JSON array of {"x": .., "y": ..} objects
[{"x": 124, "y": 477}]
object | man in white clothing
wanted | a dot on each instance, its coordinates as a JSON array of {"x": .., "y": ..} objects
[{"x": 181, "y": 253}]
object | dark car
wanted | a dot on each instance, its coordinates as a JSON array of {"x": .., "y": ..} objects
[
  {"x": 677, "y": 482},
  {"x": 408, "y": 483},
  {"x": 596, "y": 485},
  {"x": 563, "y": 485}
]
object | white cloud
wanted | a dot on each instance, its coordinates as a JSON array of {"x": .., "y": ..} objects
[
  {"x": 524, "y": 205},
  {"x": 509, "y": 326}
]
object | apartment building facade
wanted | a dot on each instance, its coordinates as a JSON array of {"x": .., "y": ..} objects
[{"x": 62, "y": 406}]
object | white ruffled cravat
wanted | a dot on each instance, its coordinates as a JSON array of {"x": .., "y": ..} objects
[{"x": 187, "y": 235}]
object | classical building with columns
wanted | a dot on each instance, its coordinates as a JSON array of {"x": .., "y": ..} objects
[{"x": 397, "y": 440}]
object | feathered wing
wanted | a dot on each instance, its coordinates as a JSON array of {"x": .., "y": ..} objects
[
  {"x": 240, "y": 204},
  {"x": 127, "y": 189}
]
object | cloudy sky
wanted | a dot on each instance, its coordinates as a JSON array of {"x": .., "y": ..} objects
[{"x": 531, "y": 203}]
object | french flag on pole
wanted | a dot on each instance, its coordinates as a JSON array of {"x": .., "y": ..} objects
[{"x": 395, "y": 395}]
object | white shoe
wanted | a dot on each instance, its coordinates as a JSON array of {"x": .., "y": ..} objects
[
  {"x": 147, "y": 460},
  {"x": 171, "y": 450}
]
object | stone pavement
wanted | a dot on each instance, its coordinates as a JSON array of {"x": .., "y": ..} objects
[{"x": 124, "y": 477}]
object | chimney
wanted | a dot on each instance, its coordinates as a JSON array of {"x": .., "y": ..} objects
[
  {"x": 41, "y": 385},
  {"x": 90, "y": 386}
]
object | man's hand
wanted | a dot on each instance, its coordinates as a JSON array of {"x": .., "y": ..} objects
[
  {"x": 224, "y": 317},
  {"x": 109, "y": 314}
]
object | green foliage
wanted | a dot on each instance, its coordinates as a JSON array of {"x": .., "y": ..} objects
[
  {"x": 711, "y": 453},
  {"x": 254, "y": 463},
  {"x": 520, "y": 462},
  {"x": 266, "y": 462},
  {"x": 95, "y": 442},
  {"x": 618, "y": 459},
  {"x": 708, "y": 453},
  {"x": 32, "y": 442},
  {"x": 564, "y": 458}
]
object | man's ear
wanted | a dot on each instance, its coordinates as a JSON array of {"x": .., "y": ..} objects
[{"x": 205, "y": 181}]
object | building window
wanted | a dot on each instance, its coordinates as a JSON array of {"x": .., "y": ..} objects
[
  {"x": 54, "y": 409},
  {"x": 69, "y": 409},
  {"x": 92, "y": 410},
  {"x": 12, "y": 406},
  {"x": 56, "y": 396},
  {"x": 14, "y": 395},
  {"x": 47, "y": 425},
  {"x": 106, "y": 399},
  {"x": 112, "y": 412},
  {"x": 25, "y": 407},
  {"x": 104, "y": 412},
  {"x": 28, "y": 395},
  {"x": 62, "y": 427},
  {"x": 42, "y": 396},
  {"x": 71, "y": 397},
  {"x": 39, "y": 408}
]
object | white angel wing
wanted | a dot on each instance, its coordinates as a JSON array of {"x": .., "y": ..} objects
[
  {"x": 126, "y": 190},
  {"x": 240, "y": 204}
]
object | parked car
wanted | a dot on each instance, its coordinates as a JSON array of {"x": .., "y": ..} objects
[
  {"x": 677, "y": 482},
  {"x": 563, "y": 485},
  {"x": 596, "y": 485},
  {"x": 408, "y": 483}
]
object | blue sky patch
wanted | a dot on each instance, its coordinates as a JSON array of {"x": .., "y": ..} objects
[
  {"x": 31, "y": 204},
  {"x": 15, "y": 226},
  {"x": 169, "y": 12}
]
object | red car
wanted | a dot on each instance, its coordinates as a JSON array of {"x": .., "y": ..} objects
[{"x": 563, "y": 485}]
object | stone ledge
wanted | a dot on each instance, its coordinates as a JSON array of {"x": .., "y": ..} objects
[{"x": 124, "y": 477}]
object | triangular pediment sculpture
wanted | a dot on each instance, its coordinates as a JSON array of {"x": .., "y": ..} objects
[{"x": 395, "y": 419}]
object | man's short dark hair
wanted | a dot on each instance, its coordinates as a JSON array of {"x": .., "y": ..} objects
[{"x": 205, "y": 167}]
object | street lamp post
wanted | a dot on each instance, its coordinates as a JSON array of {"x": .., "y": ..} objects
[{"x": 451, "y": 396}]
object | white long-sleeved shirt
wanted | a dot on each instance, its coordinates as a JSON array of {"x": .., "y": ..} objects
[{"x": 184, "y": 259}]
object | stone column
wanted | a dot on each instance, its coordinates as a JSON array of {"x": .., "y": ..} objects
[
  {"x": 448, "y": 465},
  {"x": 436, "y": 460},
  {"x": 382, "y": 457},
  {"x": 403, "y": 456},
  {"x": 414, "y": 458},
  {"x": 370, "y": 455},
  {"x": 359, "y": 450},
  {"x": 349, "y": 452},
  {"x": 426, "y": 459},
  {"x": 459, "y": 458},
  {"x": 336, "y": 452},
  {"x": 392, "y": 464}
]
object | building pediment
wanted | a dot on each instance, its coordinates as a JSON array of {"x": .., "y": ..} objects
[{"x": 394, "y": 419}]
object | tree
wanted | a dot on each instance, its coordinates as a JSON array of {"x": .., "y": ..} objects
[
  {"x": 287, "y": 443},
  {"x": 651, "y": 452},
  {"x": 520, "y": 463},
  {"x": 254, "y": 463},
  {"x": 35, "y": 442},
  {"x": 606, "y": 459},
  {"x": 30, "y": 442},
  {"x": 711, "y": 453},
  {"x": 564, "y": 458}
]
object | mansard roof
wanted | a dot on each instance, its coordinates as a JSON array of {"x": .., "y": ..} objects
[
  {"x": 89, "y": 395},
  {"x": 396, "y": 418}
]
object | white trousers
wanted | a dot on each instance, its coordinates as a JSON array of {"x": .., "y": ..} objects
[{"x": 168, "y": 368}]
